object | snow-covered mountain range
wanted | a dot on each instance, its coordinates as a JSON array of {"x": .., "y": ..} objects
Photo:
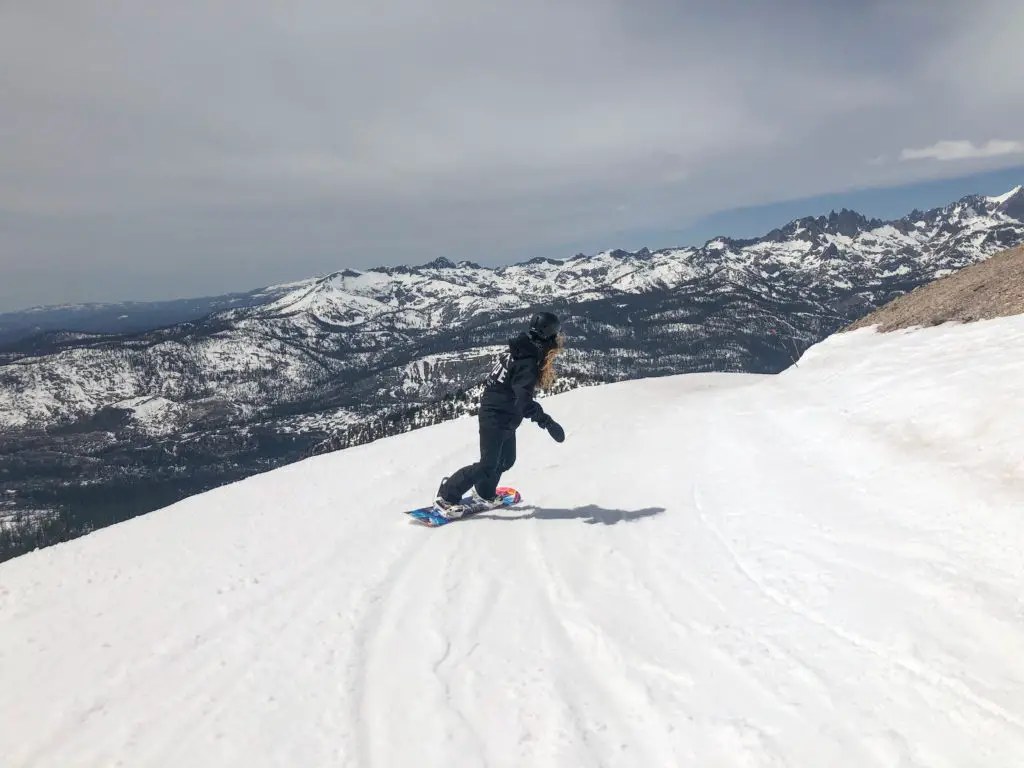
[
  {"x": 357, "y": 354},
  {"x": 124, "y": 317},
  {"x": 408, "y": 328}
]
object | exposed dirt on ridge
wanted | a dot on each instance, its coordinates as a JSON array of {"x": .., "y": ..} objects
[{"x": 988, "y": 289}]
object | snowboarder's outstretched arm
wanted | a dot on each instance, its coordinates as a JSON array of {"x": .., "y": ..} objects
[{"x": 523, "y": 380}]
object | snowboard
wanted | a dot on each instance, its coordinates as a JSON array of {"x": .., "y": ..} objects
[{"x": 431, "y": 517}]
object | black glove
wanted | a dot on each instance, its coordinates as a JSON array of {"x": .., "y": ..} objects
[{"x": 553, "y": 427}]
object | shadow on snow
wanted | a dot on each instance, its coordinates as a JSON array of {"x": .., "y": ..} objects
[{"x": 591, "y": 514}]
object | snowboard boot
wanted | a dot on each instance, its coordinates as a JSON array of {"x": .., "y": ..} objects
[
  {"x": 478, "y": 499},
  {"x": 445, "y": 508}
]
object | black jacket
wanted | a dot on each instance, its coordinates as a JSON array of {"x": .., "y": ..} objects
[{"x": 508, "y": 394}]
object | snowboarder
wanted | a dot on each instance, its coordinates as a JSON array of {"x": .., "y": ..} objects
[{"x": 506, "y": 400}]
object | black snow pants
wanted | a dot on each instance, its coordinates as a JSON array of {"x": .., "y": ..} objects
[{"x": 497, "y": 455}]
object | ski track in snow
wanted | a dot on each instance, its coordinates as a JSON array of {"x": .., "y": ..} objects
[{"x": 713, "y": 570}]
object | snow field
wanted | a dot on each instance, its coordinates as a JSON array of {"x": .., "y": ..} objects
[{"x": 817, "y": 568}]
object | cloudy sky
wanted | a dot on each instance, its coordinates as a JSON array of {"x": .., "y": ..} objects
[{"x": 188, "y": 147}]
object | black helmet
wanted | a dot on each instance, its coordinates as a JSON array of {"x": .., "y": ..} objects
[{"x": 544, "y": 326}]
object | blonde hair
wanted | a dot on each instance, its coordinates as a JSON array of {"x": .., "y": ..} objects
[{"x": 548, "y": 376}]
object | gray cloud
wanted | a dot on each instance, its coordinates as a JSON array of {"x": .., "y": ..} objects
[
  {"x": 964, "y": 150},
  {"x": 151, "y": 150}
]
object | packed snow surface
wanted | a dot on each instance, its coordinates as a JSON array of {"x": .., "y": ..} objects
[{"x": 820, "y": 568}]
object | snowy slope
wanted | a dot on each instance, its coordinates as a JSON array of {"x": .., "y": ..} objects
[{"x": 819, "y": 568}]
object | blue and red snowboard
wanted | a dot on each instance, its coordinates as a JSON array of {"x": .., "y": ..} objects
[{"x": 430, "y": 516}]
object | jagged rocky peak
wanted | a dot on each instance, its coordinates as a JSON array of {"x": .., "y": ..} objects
[
  {"x": 619, "y": 253},
  {"x": 850, "y": 223},
  {"x": 804, "y": 228},
  {"x": 1012, "y": 203},
  {"x": 844, "y": 222},
  {"x": 1009, "y": 204},
  {"x": 976, "y": 205},
  {"x": 543, "y": 260},
  {"x": 440, "y": 263}
]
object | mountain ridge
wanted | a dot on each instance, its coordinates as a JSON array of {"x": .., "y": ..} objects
[
  {"x": 250, "y": 387},
  {"x": 1011, "y": 202}
]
